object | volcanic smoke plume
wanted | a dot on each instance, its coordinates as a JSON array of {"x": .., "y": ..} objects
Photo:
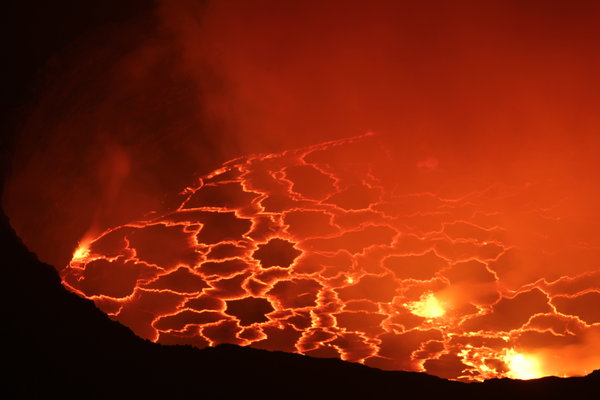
[{"x": 462, "y": 238}]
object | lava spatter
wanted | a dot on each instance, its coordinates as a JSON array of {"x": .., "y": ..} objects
[{"x": 312, "y": 251}]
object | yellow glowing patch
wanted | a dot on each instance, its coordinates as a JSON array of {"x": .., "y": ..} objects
[
  {"x": 428, "y": 306},
  {"x": 81, "y": 252},
  {"x": 522, "y": 366}
]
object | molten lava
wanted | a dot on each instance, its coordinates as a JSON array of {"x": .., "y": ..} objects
[
  {"x": 522, "y": 367},
  {"x": 427, "y": 307},
  {"x": 318, "y": 251}
]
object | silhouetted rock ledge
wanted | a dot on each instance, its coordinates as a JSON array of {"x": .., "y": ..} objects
[{"x": 56, "y": 343}]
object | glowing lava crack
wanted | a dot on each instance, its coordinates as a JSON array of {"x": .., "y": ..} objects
[{"x": 308, "y": 251}]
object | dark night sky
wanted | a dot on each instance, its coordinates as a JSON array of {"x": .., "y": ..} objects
[{"x": 33, "y": 32}]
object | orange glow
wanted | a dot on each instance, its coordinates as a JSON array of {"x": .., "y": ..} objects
[
  {"x": 428, "y": 306},
  {"x": 81, "y": 252},
  {"x": 522, "y": 366}
]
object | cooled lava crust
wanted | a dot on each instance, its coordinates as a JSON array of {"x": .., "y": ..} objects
[{"x": 314, "y": 251}]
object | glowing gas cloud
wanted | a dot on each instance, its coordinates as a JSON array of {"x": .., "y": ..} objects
[{"x": 314, "y": 251}]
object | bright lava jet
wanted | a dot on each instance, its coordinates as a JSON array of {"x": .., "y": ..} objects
[{"x": 316, "y": 251}]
